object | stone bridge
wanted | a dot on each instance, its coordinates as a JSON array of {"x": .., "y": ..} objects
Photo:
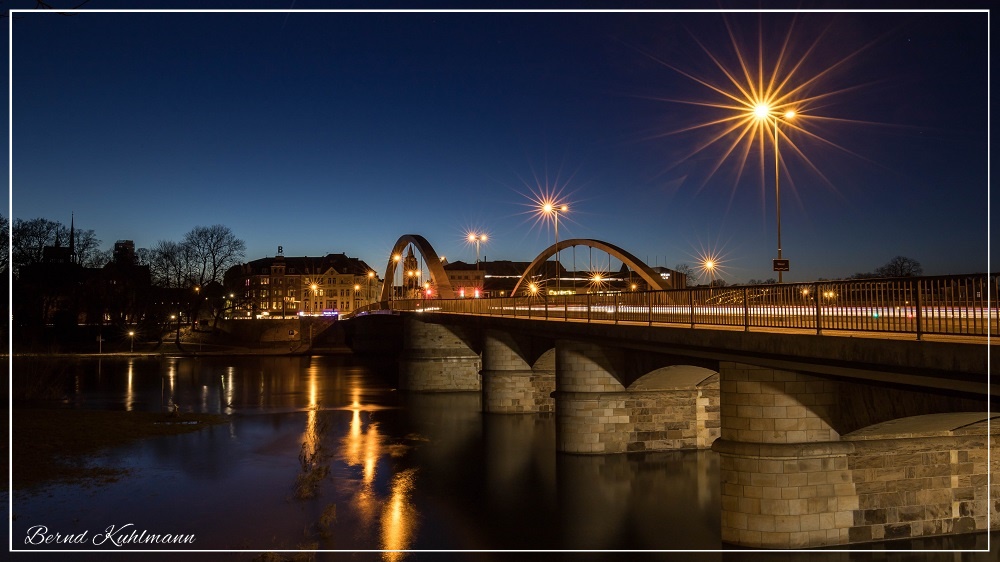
[{"x": 823, "y": 440}]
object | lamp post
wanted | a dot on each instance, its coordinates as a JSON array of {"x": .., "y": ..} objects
[
  {"x": 553, "y": 209},
  {"x": 368, "y": 295},
  {"x": 392, "y": 286},
  {"x": 477, "y": 239},
  {"x": 762, "y": 112},
  {"x": 131, "y": 343}
]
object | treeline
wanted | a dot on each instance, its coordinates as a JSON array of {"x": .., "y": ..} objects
[
  {"x": 201, "y": 257},
  {"x": 57, "y": 292}
]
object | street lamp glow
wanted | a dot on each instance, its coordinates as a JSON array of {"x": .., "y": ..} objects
[
  {"x": 551, "y": 208},
  {"x": 762, "y": 111},
  {"x": 477, "y": 238},
  {"x": 790, "y": 114}
]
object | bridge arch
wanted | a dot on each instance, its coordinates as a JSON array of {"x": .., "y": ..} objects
[
  {"x": 635, "y": 264},
  {"x": 439, "y": 277}
]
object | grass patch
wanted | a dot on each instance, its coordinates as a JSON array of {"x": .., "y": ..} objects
[{"x": 55, "y": 444}]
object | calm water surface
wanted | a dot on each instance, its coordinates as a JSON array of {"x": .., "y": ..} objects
[{"x": 323, "y": 453}]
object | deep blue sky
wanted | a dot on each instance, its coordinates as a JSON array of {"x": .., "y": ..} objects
[{"x": 339, "y": 132}]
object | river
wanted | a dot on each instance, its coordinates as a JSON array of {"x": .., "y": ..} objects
[{"x": 322, "y": 453}]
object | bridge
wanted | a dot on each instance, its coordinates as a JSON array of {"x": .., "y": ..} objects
[{"x": 842, "y": 412}]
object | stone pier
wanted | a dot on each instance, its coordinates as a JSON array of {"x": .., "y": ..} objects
[
  {"x": 510, "y": 384},
  {"x": 790, "y": 480},
  {"x": 437, "y": 358},
  {"x": 670, "y": 408}
]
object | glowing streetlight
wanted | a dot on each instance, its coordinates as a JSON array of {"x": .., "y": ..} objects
[
  {"x": 131, "y": 345},
  {"x": 477, "y": 239},
  {"x": 764, "y": 112},
  {"x": 709, "y": 266},
  {"x": 553, "y": 209}
]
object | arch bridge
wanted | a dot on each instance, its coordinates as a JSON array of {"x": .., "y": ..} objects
[{"x": 439, "y": 277}]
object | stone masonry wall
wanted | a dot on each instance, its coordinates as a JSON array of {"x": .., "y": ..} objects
[
  {"x": 762, "y": 405},
  {"x": 510, "y": 385},
  {"x": 591, "y": 416},
  {"x": 785, "y": 495},
  {"x": 662, "y": 420},
  {"x": 709, "y": 414},
  {"x": 785, "y": 477},
  {"x": 435, "y": 358},
  {"x": 913, "y": 486}
]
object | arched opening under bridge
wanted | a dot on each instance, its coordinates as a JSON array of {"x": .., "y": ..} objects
[
  {"x": 439, "y": 277},
  {"x": 651, "y": 277}
]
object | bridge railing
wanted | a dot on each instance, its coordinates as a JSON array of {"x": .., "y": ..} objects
[{"x": 949, "y": 305}]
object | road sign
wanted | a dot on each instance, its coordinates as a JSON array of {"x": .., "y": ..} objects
[{"x": 780, "y": 265}]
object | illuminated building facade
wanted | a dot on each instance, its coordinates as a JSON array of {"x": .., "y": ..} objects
[{"x": 282, "y": 286}]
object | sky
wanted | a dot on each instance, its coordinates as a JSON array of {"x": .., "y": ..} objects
[{"x": 340, "y": 132}]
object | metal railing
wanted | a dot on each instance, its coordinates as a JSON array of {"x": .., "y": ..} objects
[{"x": 951, "y": 305}]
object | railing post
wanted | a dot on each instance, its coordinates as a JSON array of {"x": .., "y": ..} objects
[
  {"x": 614, "y": 310},
  {"x": 588, "y": 308},
  {"x": 649, "y": 306},
  {"x": 819, "y": 316},
  {"x": 746, "y": 311},
  {"x": 691, "y": 304},
  {"x": 920, "y": 320}
]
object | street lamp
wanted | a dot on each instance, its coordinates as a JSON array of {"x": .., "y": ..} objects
[
  {"x": 763, "y": 112},
  {"x": 368, "y": 295},
  {"x": 131, "y": 345},
  {"x": 477, "y": 239},
  {"x": 550, "y": 208}
]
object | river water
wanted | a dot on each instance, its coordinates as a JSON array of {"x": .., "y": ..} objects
[{"x": 322, "y": 453}]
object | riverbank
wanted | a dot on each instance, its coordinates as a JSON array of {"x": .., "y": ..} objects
[{"x": 55, "y": 444}]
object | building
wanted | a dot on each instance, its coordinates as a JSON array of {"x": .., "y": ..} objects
[
  {"x": 283, "y": 286},
  {"x": 467, "y": 281}
]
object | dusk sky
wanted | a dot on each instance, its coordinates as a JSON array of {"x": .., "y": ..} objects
[{"x": 339, "y": 132}]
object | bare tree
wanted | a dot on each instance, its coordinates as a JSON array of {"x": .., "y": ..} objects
[
  {"x": 168, "y": 265},
  {"x": 687, "y": 271},
  {"x": 5, "y": 252},
  {"x": 29, "y": 238},
  {"x": 900, "y": 266},
  {"x": 213, "y": 250}
]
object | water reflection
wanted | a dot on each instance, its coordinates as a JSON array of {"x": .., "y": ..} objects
[
  {"x": 403, "y": 471},
  {"x": 399, "y": 517},
  {"x": 129, "y": 395}
]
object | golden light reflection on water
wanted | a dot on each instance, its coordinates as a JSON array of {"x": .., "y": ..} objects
[
  {"x": 399, "y": 517},
  {"x": 311, "y": 437},
  {"x": 129, "y": 395},
  {"x": 393, "y": 518}
]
